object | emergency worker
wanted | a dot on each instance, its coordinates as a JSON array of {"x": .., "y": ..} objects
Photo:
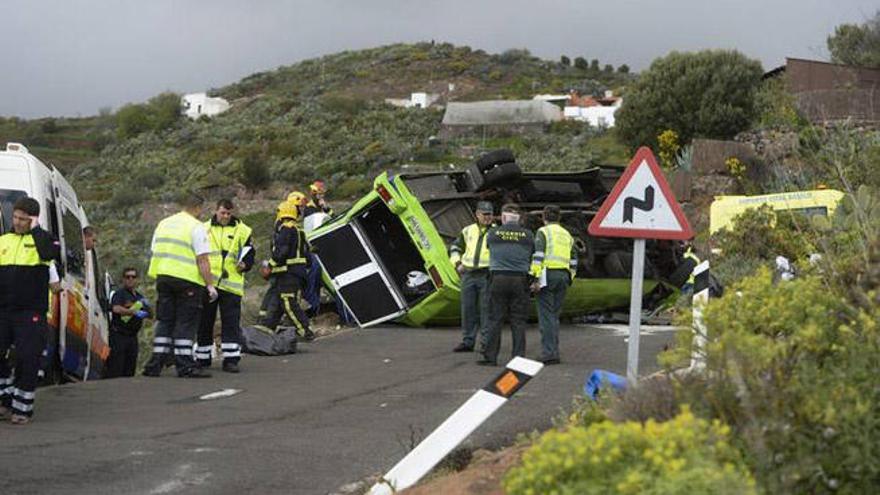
[
  {"x": 25, "y": 255},
  {"x": 470, "y": 255},
  {"x": 181, "y": 265},
  {"x": 232, "y": 254},
  {"x": 129, "y": 308},
  {"x": 510, "y": 247},
  {"x": 688, "y": 287},
  {"x": 554, "y": 265},
  {"x": 289, "y": 271},
  {"x": 298, "y": 200},
  {"x": 316, "y": 202}
]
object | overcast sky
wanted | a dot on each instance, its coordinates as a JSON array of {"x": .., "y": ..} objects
[{"x": 72, "y": 57}]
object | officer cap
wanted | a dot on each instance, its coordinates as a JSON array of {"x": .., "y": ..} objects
[{"x": 485, "y": 207}]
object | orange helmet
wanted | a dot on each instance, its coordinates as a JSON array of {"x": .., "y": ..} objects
[{"x": 318, "y": 187}]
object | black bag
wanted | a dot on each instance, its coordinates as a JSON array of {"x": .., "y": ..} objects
[{"x": 261, "y": 341}]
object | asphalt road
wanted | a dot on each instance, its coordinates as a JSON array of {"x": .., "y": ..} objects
[{"x": 347, "y": 407}]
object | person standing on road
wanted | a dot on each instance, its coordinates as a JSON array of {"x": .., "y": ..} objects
[
  {"x": 129, "y": 308},
  {"x": 315, "y": 212},
  {"x": 470, "y": 255},
  {"x": 510, "y": 247},
  {"x": 554, "y": 265},
  {"x": 289, "y": 270},
  {"x": 232, "y": 254},
  {"x": 181, "y": 265},
  {"x": 25, "y": 255}
]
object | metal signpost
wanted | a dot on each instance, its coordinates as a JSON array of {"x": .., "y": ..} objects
[{"x": 640, "y": 206}]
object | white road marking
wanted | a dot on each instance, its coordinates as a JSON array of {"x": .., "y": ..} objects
[{"x": 220, "y": 394}]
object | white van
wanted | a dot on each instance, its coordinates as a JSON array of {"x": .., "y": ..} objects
[{"x": 78, "y": 325}]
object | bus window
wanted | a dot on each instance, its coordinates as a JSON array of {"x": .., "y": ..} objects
[
  {"x": 73, "y": 245},
  {"x": 8, "y": 198}
]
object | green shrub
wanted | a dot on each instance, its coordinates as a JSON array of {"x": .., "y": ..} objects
[
  {"x": 791, "y": 366},
  {"x": 708, "y": 94},
  {"x": 686, "y": 455}
]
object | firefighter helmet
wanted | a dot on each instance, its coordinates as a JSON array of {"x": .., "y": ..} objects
[
  {"x": 286, "y": 209},
  {"x": 318, "y": 187}
]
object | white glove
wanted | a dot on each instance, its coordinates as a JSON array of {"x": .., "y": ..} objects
[{"x": 212, "y": 293}]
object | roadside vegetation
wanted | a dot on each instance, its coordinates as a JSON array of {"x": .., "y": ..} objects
[{"x": 788, "y": 400}]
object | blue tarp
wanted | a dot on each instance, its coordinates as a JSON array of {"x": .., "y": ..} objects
[{"x": 598, "y": 379}]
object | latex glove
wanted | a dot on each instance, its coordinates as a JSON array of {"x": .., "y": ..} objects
[
  {"x": 459, "y": 268},
  {"x": 212, "y": 293},
  {"x": 141, "y": 314}
]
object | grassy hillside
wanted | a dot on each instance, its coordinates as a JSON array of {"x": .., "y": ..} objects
[{"x": 320, "y": 118}]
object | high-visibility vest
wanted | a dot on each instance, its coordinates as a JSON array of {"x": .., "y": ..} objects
[
  {"x": 300, "y": 256},
  {"x": 19, "y": 250},
  {"x": 470, "y": 259},
  {"x": 232, "y": 239},
  {"x": 557, "y": 250},
  {"x": 173, "y": 255},
  {"x": 689, "y": 254}
]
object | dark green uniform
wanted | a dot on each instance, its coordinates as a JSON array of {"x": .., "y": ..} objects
[{"x": 511, "y": 247}]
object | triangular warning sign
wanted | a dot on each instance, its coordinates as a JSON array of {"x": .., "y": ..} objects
[{"x": 641, "y": 205}]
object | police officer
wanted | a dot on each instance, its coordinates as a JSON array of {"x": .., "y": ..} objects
[
  {"x": 289, "y": 269},
  {"x": 511, "y": 246},
  {"x": 473, "y": 268},
  {"x": 25, "y": 255},
  {"x": 129, "y": 308},
  {"x": 232, "y": 254},
  {"x": 181, "y": 265},
  {"x": 554, "y": 265}
]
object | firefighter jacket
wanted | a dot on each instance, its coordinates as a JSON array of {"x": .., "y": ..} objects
[
  {"x": 472, "y": 241},
  {"x": 24, "y": 269},
  {"x": 289, "y": 248},
  {"x": 173, "y": 253},
  {"x": 554, "y": 250},
  {"x": 230, "y": 244}
]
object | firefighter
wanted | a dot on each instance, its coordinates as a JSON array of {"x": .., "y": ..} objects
[
  {"x": 511, "y": 246},
  {"x": 181, "y": 265},
  {"x": 289, "y": 271},
  {"x": 554, "y": 265},
  {"x": 316, "y": 202},
  {"x": 470, "y": 255},
  {"x": 232, "y": 254},
  {"x": 25, "y": 255}
]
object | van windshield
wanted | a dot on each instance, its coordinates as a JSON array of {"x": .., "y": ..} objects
[{"x": 8, "y": 197}]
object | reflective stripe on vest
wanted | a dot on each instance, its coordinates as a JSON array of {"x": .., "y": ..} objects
[
  {"x": 173, "y": 255},
  {"x": 221, "y": 241},
  {"x": 472, "y": 234},
  {"x": 557, "y": 249},
  {"x": 19, "y": 250}
]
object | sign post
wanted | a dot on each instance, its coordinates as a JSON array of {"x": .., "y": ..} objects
[{"x": 640, "y": 206}]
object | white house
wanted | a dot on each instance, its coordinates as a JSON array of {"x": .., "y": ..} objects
[
  {"x": 197, "y": 104},
  {"x": 599, "y": 112},
  {"x": 416, "y": 100}
]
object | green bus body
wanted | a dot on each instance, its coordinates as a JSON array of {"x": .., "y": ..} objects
[{"x": 442, "y": 306}]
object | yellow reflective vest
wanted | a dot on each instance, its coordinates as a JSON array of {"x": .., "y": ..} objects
[
  {"x": 230, "y": 239},
  {"x": 19, "y": 250},
  {"x": 557, "y": 252},
  {"x": 474, "y": 238},
  {"x": 689, "y": 254},
  {"x": 173, "y": 255}
]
